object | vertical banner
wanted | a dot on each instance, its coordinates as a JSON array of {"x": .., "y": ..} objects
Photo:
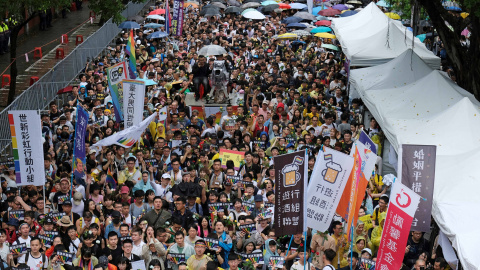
[
  {"x": 133, "y": 102},
  {"x": 418, "y": 173},
  {"x": 177, "y": 19},
  {"x": 330, "y": 175},
  {"x": 79, "y": 165},
  {"x": 291, "y": 175},
  {"x": 115, "y": 75},
  {"x": 26, "y": 130},
  {"x": 167, "y": 17},
  {"x": 130, "y": 52},
  {"x": 402, "y": 207},
  {"x": 369, "y": 144},
  {"x": 310, "y": 6}
]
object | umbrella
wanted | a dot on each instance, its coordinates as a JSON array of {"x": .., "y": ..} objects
[
  {"x": 148, "y": 82},
  {"x": 248, "y": 10},
  {"x": 218, "y": 4},
  {"x": 191, "y": 4},
  {"x": 284, "y": 6},
  {"x": 315, "y": 10},
  {"x": 254, "y": 15},
  {"x": 323, "y": 18},
  {"x": 330, "y": 12},
  {"x": 159, "y": 11},
  {"x": 153, "y": 25},
  {"x": 255, "y": 1},
  {"x": 348, "y": 13},
  {"x": 298, "y": 42},
  {"x": 212, "y": 12},
  {"x": 129, "y": 25},
  {"x": 330, "y": 46},
  {"x": 422, "y": 37},
  {"x": 212, "y": 50},
  {"x": 136, "y": 18},
  {"x": 278, "y": 10},
  {"x": 266, "y": 3},
  {"x": 382, "y": 3},
  {"x": 250, "y": 5},
  {"x": 158, "y": 34},
  {"x": 340, "y": 7},
  {"x": 298, "y": 6},
  {"x": 291, "y": 20},
  {"x": 355, "y": 2},
  {"x": 207, "y": 9},
  {"x": 323, "y": 23},
  {"x": 287, "y": 36},
  {"x": 67, "y": 89},
  {"x": 296, "y": 25},
  {"x": 156, "y": 17},
  {"x": 325, "y": 35},
  {"x": 392, "y": 15},
  {"x": 234, "y": 3},
  {"x": 321, "y": 29},
  {"x": 269, "y": 8},
  {"x": 452, "y": 6},
  {"x": 305, "y": 15},
  {"x": 234, "y": 10},
  {"x": 219, "y": 1},
  {"x": 301, "y": 33}
]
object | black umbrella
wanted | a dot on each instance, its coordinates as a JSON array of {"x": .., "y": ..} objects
[
  {"x": 233, "y": 10},
  {"x": 256, "y": 1},
  {"x": 212, "y": 12},
  {"x": 209, "y": 9},
  {"x": 136, "y": 18},
  {"x": 270, "y": 8},
  {"x": 220, "y": 1},
  {"x": 234, "y": 3}
]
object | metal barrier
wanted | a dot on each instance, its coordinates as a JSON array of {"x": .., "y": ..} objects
[{"x": 39, "y": 95}]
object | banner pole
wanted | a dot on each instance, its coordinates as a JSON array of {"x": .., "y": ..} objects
[
  {"x": 305, "y": 252},
  {"x": 289, "y": 245},
  {"x": 44, "y": 201},
  {"x": 351, "y": 245}
]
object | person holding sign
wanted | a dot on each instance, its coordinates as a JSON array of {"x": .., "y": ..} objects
[{"x": 35, "y": 258}]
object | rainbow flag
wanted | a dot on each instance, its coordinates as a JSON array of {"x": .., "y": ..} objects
[
  {"x": 110, "y": 179},
  {"x": 130, "y": 51}
]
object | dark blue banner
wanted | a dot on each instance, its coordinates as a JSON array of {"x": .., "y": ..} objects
[
  {"x": 79, "y": 165},
  {"x": 367, "y": 142}
]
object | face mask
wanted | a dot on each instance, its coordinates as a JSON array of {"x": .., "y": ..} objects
[
  {"x": 241, "y": 128},
  {"x": 300, "y": 145},
  {"x": 290, "y": 151}
]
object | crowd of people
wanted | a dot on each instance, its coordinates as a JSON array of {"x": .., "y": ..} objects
[{"x": 176, "y": 206}]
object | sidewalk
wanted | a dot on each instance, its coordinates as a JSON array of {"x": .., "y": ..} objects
[{"x": 38, "y": 67}]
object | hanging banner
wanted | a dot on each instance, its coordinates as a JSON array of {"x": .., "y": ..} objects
[
  {"x": 79, "y": 163},
  {"x": 133, "y": 102},
  {"x": 236, "y": 156},
  {"x": 115, "y": 75},
  {"x": 418, "y": 173},
  {"x": 328, "y": 180},
  {"x": 369, "y": 144},
  {"x": 27, "y": 147},
  {"x": 177, "y": 20},
  {"x": 291, "y": 177},
  {"x": 401, "y": 209}
]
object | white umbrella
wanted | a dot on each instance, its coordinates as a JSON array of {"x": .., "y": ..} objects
[
  {"x": 212, "y": 50},
  {"x": 251, "y": 5},
  {"x": 254, "y": 15},
  {"x": 305, "y": 15},
  {"x": 218, "y": 4},
  {"x": 156, "y": 17},
  {"x": 301, "y": 33}
]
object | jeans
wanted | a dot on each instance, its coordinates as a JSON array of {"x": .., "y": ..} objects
[{"x": 196, "y": 82}]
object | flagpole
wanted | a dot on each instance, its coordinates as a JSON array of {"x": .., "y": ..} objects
[{"x": 44, "y": 201}]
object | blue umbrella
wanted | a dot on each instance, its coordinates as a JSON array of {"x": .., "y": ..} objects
[
  {"x": 315, "y": 10},
  {"x": 129, "y": 25},
  {"x": 453, "y": 8},
  {"x": 158, "y": 34},
  {"x": 148, "y": 82},
  {"x": 153, "y": 25},
  {"x": 382, "y": 3},
  {"x": 348, "y": 13},
  {"x": 296, "y": 25},
  {"x": 422, "y": 37},
  {"x": 410, "y": 29},
  {"x": 297, "y": 6},
  {"x": 321, "y": 29},
  {"x": 291, "y": 20}
]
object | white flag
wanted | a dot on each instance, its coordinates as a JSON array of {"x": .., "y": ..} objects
[
  {"x": 162, "y": 114},
  {"x": 127, "y": 137}
]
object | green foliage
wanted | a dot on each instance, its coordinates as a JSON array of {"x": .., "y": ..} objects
[
  {"x": 17, "y": 8},
  {"x": 110, "y": 9}
]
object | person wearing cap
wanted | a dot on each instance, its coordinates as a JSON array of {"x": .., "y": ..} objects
[
  {"x": 63, "y": 194},
  {"x": 163, "y": 189},
  {"x": 366, "y": 253},
  {"x": 11, "y": 230}
]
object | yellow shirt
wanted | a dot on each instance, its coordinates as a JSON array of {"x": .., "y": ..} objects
[
  {"x": 194, "y": 264},
  {"x": 341, "y": 249}
]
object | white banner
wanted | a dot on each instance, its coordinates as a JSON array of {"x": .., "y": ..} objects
[
  {"x": 328, "y": 180},
  {"x": 133, "y": 102},
  {"x": 26, "y": 130},
  {"x": 162, "y": 114},
  {"x": 448, "y": 252},
  {"x": 127, "y": 137}
]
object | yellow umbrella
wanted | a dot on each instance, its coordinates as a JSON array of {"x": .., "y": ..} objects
[
  {"x": 392, "y": 15},
  {"x": 287, "y": 36},
  {"x": 464, "y": 14},
  {"x": 343, "y": 11},
  {"x": 325, "y": 35}
]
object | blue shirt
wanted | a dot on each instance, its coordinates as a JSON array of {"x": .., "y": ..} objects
[{"x": 109, "y": 229}]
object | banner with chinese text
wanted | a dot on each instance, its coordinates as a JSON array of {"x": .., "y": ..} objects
[
  {"x": 328, "y": 180},
  {"x": 26, "y": 130},
  {"x": 401, "y": 209},
  {"x": 79, "y": 164},
  {"x": 177, "y": 19},
  {"x": 133, "y": 102},
  {"x": 115, "y": 75},
  {"x": 418, "y": 173},
  {"x": 291, "y": 177}
]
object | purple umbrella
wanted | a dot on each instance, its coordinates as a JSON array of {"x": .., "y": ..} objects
[{"x": 340, "y": 7}]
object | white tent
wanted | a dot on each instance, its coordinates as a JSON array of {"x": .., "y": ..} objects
[
  {"x": 370, "y": 38},
  {"x": 434, "y": 110}
]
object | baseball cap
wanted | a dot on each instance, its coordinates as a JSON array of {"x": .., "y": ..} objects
[
  {"x": 367, "y": 250},
  {"x": 124, "y": 190},
  {"x": 13, "y": 222},
  {"x": 258, "y": 198},
  {"x": 67, "y": 203},
  {"x": 166, "y": 176}
]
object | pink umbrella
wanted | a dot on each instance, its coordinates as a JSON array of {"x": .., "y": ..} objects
[
  {"x": 329, "y": 12},
  {"x": 323, "y": 23},
  {"x": 465, "y": 32}
]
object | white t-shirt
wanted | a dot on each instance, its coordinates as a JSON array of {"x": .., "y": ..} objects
[
  {"x": 328, "y": 267},
  {"x": 20, "y": 240},
  {"x": 137, "y": 249},
  {"x": 35, "y": 263}
]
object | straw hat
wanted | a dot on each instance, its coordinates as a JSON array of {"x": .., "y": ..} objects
[{"x": 64, "y": 222}]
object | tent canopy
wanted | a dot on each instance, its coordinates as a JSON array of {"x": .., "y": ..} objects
[
  {"x": 370, "y": 38},
  {"x": 431, "y": 109}
]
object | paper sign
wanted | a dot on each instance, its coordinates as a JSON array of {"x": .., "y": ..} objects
[
  {"x": 236, "y": 156},
  {"x": 65, "y": 257},
  {"x": 18, "y": 214},
  {"x": 18, "y": 249},
  {"x": 138, "y": 265},
  {"x": 211, "y": 243},
  {"x": 177, "y": 258}
]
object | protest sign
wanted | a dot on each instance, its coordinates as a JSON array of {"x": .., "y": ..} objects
[
  {"x": 18, "y": 214},
  {"x": 402, "y": 207},
  {"x": 47, "y": 241},
  {"x": 248, "y": 207},
  {"x": 418, "y": 173},
  {"x": 233, "y": 179},
  {"x": 138, "y": 265},
  {"x": 236, "y": 156},
  {"x": 247, "y": 228},
  {"x": 115, "y": 75},
  {"x": 211, "y": 243},
  {"x": 177, "y": 19},
  {"x": 366, "y": 264},
  {"x": 151, "y": 162},
  {"x": 291, "y": 177},
  {"x": 27, "y": 147},
  {"x": 277, "y": 261},
  {"x": 51, "y": 234},
  {"x": 328, "y": 180},
  {"x": 57, "y": 216},
  {"x": 133, "y": 102},
  {"x": 253, "y": 257},
  {"x": 177, "y": 258},
  {"x": 18, "y": 249},
  {"x": 65, "y": 257}
]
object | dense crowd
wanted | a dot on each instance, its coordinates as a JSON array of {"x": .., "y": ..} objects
[{"x": 176, "y": 207}]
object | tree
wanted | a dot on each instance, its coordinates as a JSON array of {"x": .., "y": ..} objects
[
  {"x": 463, "y": 60},
  {"x": 23, "y": 11},
  {"x": 109, "y": 9}
]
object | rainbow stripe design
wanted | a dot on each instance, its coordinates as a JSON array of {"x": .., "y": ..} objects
[
  {"x": 277, "y": 261},
  {"x": 130, "y": 52},
  {"x": 247, "y": 229},
  {"x": 18, "y": 249},
  {"x": 367, "y": 264},
  {"x": 57, "y": 216},
  {"x": 18, "y": 214},
  {"x": 16, "y": 159},
  {"x": 254, "y": 259},
  {"x": 214, "y": 208},
  {"x": 211, "y": 243},
  {"x": 65, "y": 257},
  {"x": 177, "y": 260},
  {"x": 51, "y": 234},
  {"x": 265, "y": 213},
  {"x": 248, "y": 207},
  {"x": 128, "y": 142},
  {"x": 327, "y": 157},
  {"x": 110, "y": 179}
]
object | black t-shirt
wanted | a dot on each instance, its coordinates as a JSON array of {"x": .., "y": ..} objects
[
  {"x": 55, "y": 199},
  {"x": 254, "y": 168},
  {"x": 116, "y": 253}
]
